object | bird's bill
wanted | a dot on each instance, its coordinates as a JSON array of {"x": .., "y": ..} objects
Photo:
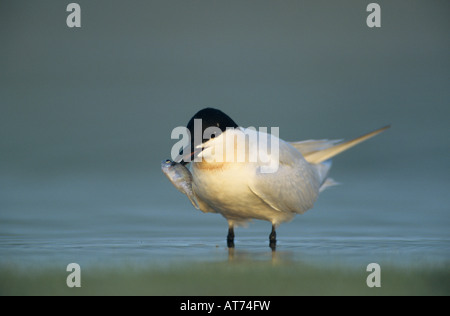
[{"x": 189, "y": 156}]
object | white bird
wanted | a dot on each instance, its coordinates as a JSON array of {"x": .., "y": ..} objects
[{"x": 239, "y": 189}]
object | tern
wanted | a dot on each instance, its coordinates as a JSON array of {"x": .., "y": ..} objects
[{"x": 240, "y": 189}]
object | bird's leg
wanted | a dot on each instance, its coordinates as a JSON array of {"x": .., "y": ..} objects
[
  {"x": 273, "y": 239},
  {"x": 230, "y": 237}
]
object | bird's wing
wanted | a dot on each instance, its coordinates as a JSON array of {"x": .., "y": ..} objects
[
  {"x": 317, "y": 151},
  {"x": 327, "y": 153},
  {"x": 310, "y": 146},
  {"x": 294, "y": 187}
]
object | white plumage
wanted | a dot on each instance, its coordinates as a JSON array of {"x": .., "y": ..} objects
[{"x": 241, "y": 192}]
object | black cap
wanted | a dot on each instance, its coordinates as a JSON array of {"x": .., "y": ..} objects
[{"x": 210, "y": 118}]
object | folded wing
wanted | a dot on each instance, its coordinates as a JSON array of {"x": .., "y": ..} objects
[{"x": 293, "y": 188}]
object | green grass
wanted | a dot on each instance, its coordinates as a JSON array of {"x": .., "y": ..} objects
[{"x": 226, "y": 278}]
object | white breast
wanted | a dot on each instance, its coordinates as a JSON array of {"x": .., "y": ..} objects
[{"x": 240, "y": 192}]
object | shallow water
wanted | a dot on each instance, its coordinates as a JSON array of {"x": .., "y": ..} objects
[{"x": 95, "y": 221}]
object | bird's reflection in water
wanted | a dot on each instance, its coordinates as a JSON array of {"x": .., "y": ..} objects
[{"x": 275, "y": 257}]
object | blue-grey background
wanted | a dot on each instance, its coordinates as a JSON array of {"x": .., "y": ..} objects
[{"x": 86, "y": 117}]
